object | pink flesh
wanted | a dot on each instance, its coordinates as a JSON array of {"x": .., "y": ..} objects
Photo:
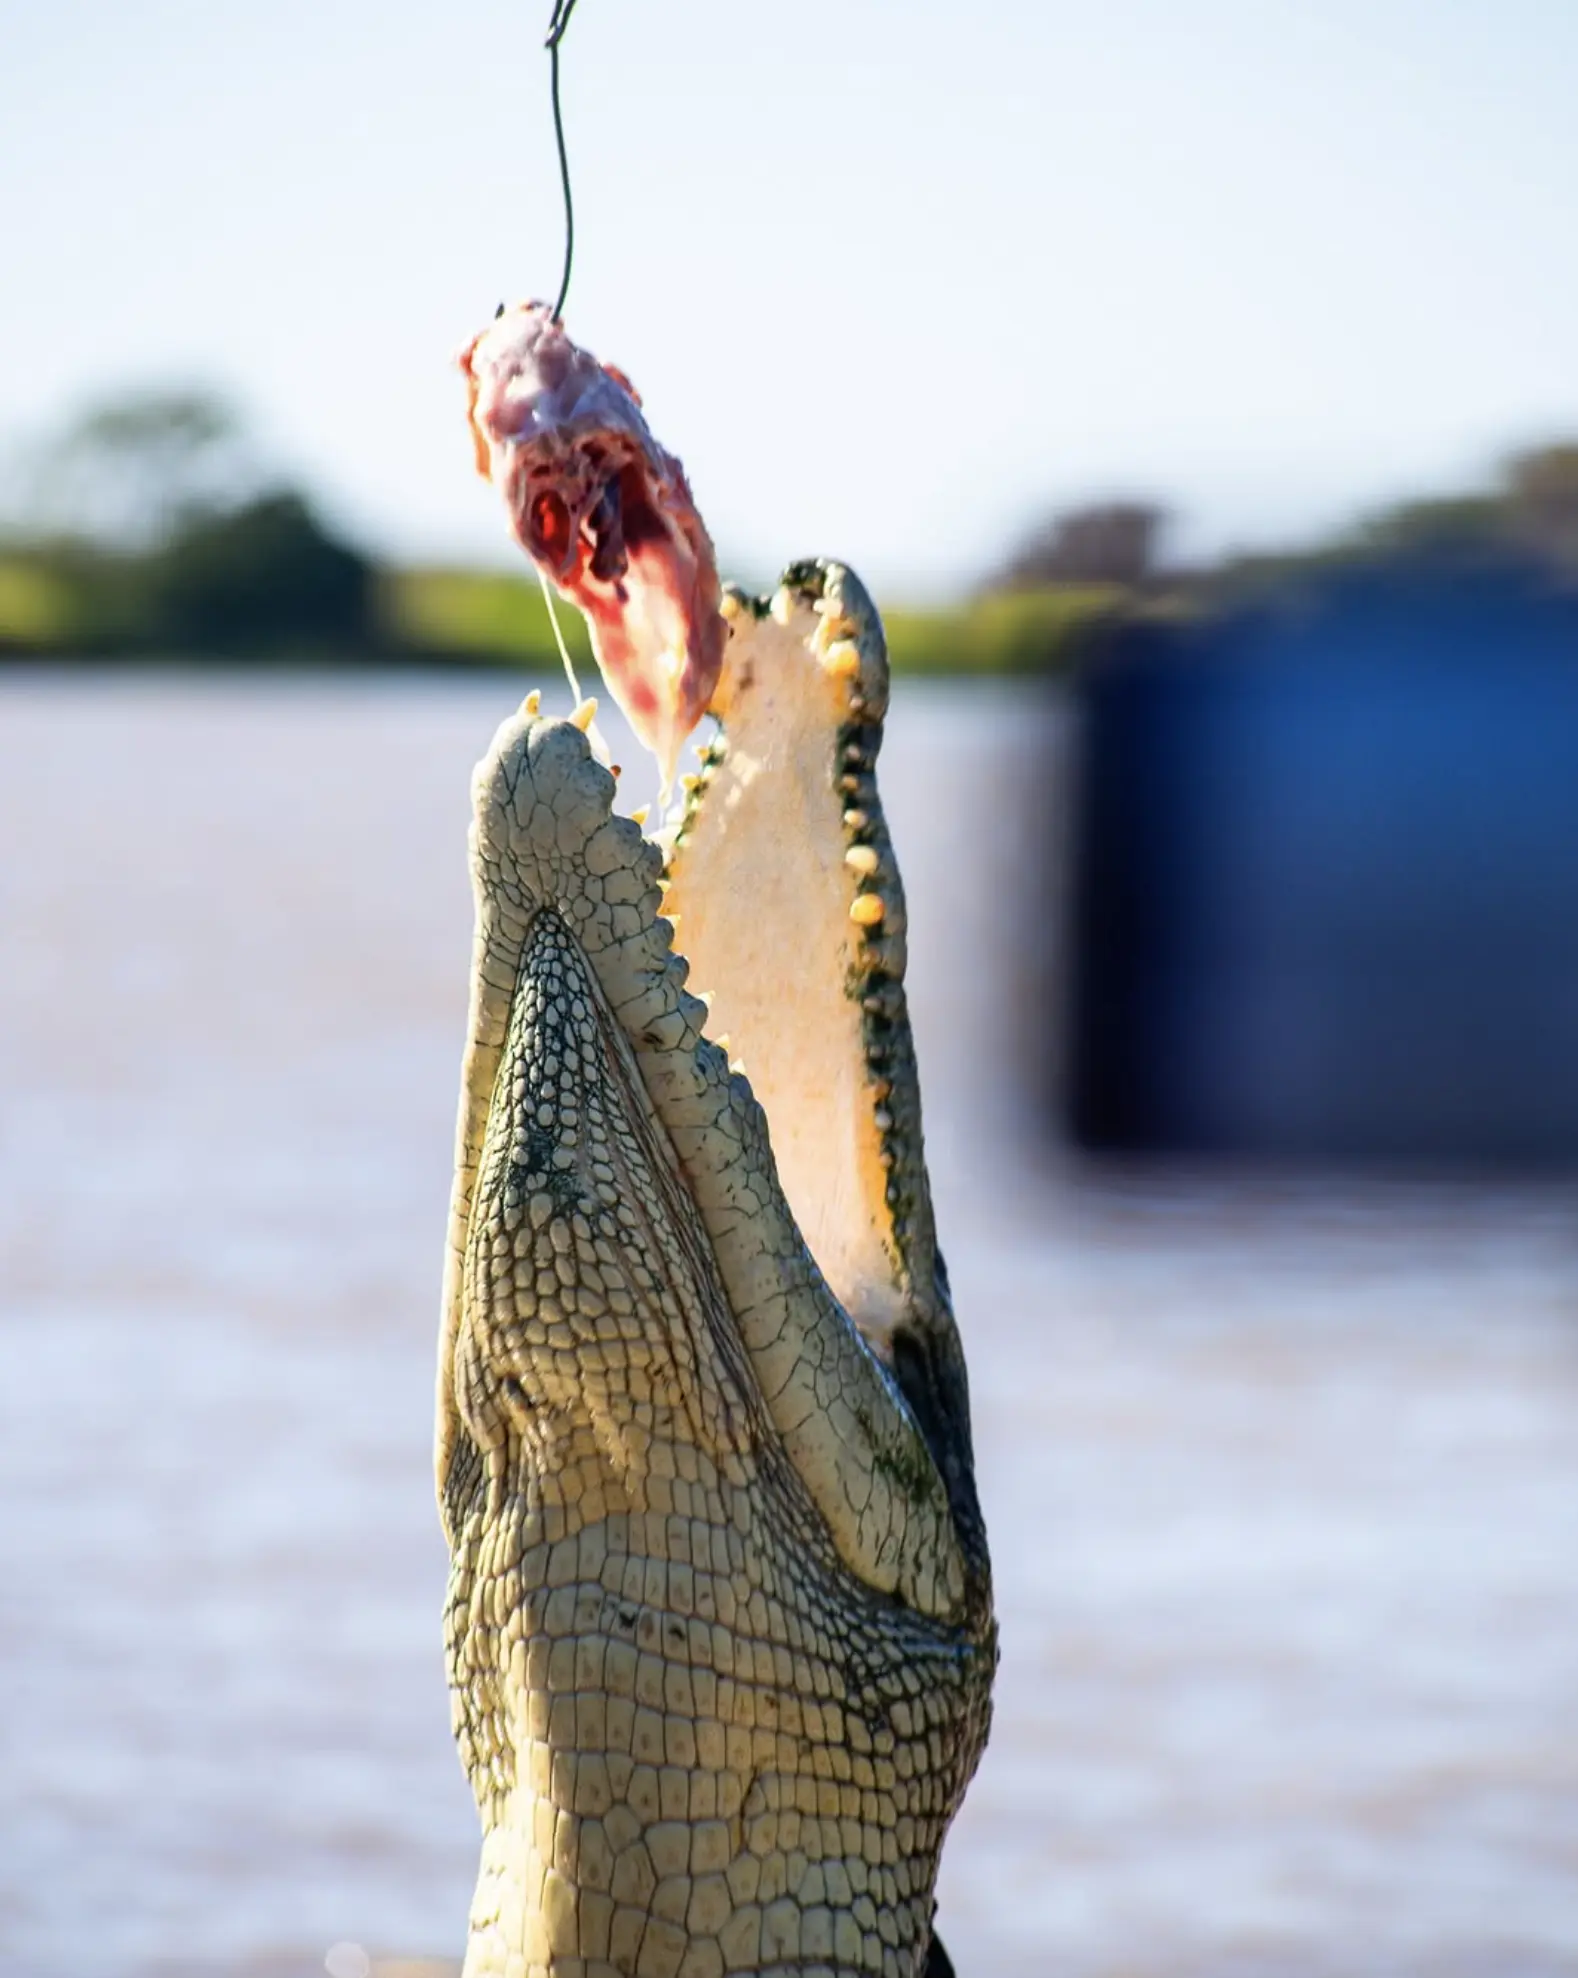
[{"x": 563, "y": 439}]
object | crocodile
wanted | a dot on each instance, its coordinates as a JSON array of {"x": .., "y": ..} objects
[{"x": 719, "y": 1627}]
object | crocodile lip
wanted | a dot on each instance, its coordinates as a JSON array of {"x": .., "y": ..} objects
[{"x": 605, "y": 513}]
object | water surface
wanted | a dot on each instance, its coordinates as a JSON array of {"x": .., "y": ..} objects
[{"x": 1282, "y": 1477}]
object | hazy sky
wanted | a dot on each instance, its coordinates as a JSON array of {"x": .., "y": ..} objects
[{"x": 893, "y": 278}]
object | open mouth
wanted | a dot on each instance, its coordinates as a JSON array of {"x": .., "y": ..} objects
[
  {"x": 702, "y": 1404},
  {"x": 779, "y": 864},
  {"x": 775, "y": 893}
]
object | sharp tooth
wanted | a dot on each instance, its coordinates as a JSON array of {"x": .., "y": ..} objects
[
  {"x": 863, "y": 859},
  {"x": 730, "y": 607},
  {"x": 585, "y": 715},
  {"x": 640, "y": 816},
  {"x": 866, "y": 909},
  {"x": 533, "y": 702},
  {"x": 842, "y": 659},
  {"x": 689, "y": 783},
  {"x": 855, "y": 820},
  {"x": 722, "y": 1042},
  {"x": 737, "y": 1065}
]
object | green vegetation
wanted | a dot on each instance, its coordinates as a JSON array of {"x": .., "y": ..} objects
[
  {"x": 468, "y": 614},
  {"x": 263, "y": 580},
  {"x": 149, "y": 527},
  {"x": 474, "y": 615},
  {"x": 1002, "y": 632},
  {"x": 36, "y": 607}
]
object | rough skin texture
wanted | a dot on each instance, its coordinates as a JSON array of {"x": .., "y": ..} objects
[{"x": 719, "y": 1624}]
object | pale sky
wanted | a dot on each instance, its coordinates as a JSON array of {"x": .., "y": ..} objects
[{"x": 893, "y": 278}]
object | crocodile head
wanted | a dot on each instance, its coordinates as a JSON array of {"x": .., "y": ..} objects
[
  {"x": 719, "y": 1625},
  {"x": 604, "y": 512}
]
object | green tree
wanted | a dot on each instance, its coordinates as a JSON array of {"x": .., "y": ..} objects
[
  {"x": 1112, "y": 543},
  {"x": 1542, "y": 497},
  {"x": 263, "y": 577},
  {"x": 130, "y": 472}
]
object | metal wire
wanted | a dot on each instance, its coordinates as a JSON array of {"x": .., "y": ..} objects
[{"x": 562, "y": 10}]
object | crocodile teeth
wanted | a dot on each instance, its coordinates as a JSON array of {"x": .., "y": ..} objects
[{"x": 835, "y": 629}]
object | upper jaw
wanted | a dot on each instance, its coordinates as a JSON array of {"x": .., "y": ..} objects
[
  {"x": 545, "y": 840},
  {"x": 784, "y": 880}
]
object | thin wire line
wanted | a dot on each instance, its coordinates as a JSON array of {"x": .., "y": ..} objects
[
  {"x": 562, "y": 10},
  {"x": 558, "y": 636}
]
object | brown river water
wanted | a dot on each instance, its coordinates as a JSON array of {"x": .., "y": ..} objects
[{"x": 1281, "y": 1474}]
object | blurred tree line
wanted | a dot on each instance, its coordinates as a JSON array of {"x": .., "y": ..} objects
[
  {"x": 1528, "y": 520},
  {"x": 150, "y": 525}
]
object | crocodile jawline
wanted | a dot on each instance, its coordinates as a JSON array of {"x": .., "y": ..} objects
[{"x": 719, "y": 1625}]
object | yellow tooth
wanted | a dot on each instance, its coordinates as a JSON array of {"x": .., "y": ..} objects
[
  {"x": 722, "y": 1042},
  {"x": 533, "y": 702},
  {"x": 730, "y": 607},
  {"x": 737, "y": 1065},
  {"x": 689, "y": 783},
  {"x": 673, "y": 926},
  {"x": 842, "y": 660},
  {"x": 866, "y": 909},
  {"x": 782, "y": 606},
  {"x": 640, "y": 816},
  {"x": 833, "y": 628},
  {"x": 585, "y": 715},
  {"x": 855, "y": 820},
  {"x": 863, "y": 859}
]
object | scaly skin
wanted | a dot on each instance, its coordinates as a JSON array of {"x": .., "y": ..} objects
[{"x": 719, "y": 1627}]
